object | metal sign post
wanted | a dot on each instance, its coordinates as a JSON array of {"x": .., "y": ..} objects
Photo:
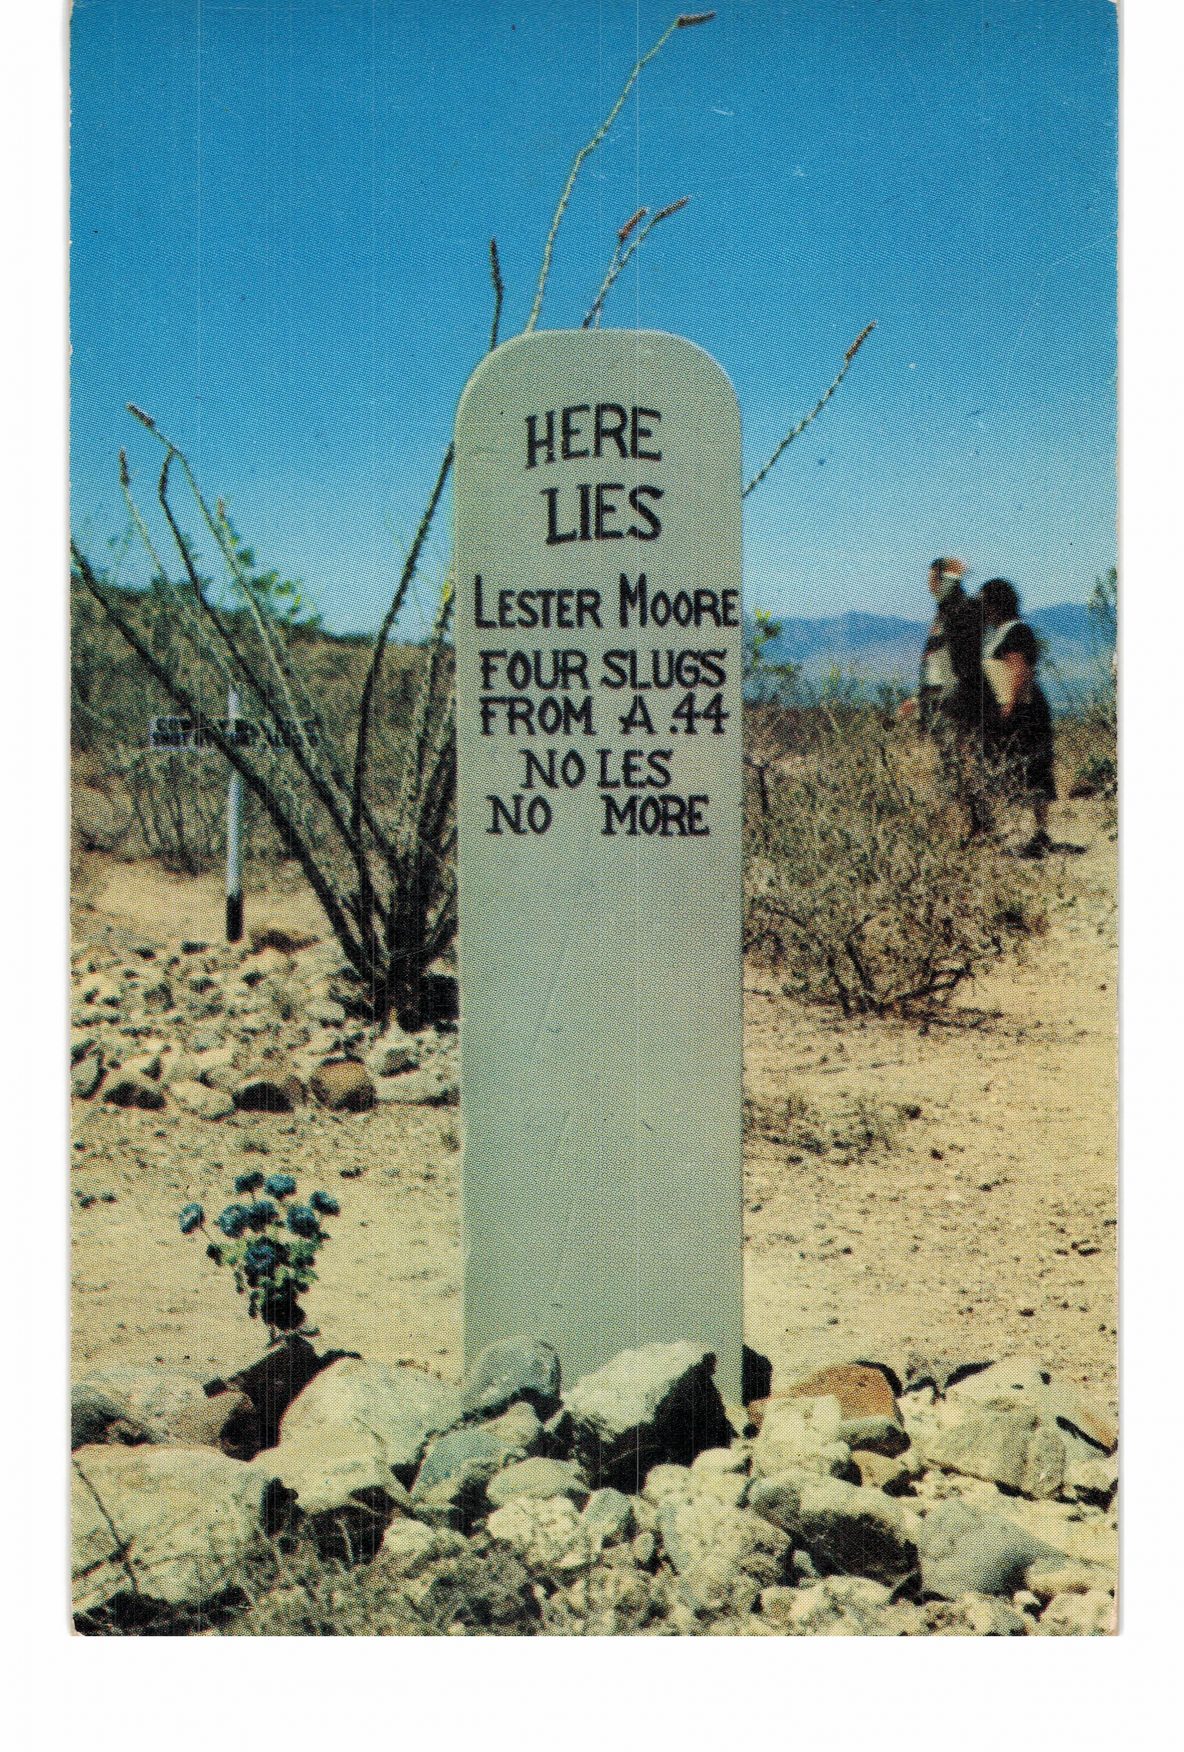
[{"x": 234, "y": 825}]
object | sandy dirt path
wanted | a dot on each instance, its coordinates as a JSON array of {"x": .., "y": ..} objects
[{"x": 949, "y": 1192}]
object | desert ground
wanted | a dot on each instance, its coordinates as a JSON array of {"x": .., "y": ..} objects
[{"x": 947, "y": 1192}]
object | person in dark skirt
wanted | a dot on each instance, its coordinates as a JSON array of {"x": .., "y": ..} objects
[{"x": 1017, "y": 723}]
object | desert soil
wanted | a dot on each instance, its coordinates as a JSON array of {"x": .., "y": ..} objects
[{"x": 949, "y": 1192}]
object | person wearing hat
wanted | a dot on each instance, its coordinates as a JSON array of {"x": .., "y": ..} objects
[{"x": 949, "y": 699}]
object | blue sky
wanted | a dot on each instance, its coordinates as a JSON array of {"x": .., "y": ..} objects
[{"x": 281, "y": 211}]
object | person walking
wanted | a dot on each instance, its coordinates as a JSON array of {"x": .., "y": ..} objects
[
  {"x": 949, "y": 699},
  {"x": 1017, "y": 722},
  {"x": 950, "y": 661}
]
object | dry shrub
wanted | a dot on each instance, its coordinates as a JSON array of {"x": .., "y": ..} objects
[
  {"x": 861, "y": 888},
  {"x": 299, "y": 1592}
]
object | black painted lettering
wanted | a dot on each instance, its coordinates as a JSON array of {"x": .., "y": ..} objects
[
  {"x": 478, "y": 608},
  {"x": 606, "y": 508},
  {"x": 570, "y": 430},
  {"x": 633, "y": 599},
  {"x": 638, "y": 431},
  {"x": 587, "y": 607},
  {"x": 534, "y": 443},
  {"x": 554, "y": 535},
  {"x": 611, "y": 420},
  {"x": 651, "y": 520}
]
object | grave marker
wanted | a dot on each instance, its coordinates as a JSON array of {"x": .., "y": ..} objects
[
  {"x": 599, "y": 652},
  {"x": 172, "y": 734}
]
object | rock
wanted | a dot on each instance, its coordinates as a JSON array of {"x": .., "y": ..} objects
[
  {"x": 149, "y": 1065},
  {"x": 402, "y": 1407},
  {"x": 512, "y": 1369},
  {"x": 343, "y": 1487},
  {"x": 343, "y": 1086},
  {"x": 974, "y": 1615},
  {"x": 891, "y": 1473},
  {"x": 324, "y": 1012},
  {"x": 214, "y": 1066},
  {"x": 269, "y": 963},
  {"x": 801, "y": 1432},
  {"x": 716, "y": 1461},
  {"x": 664, "y": 1481},
  {"x": 1050, "y": 1576},
  {"x": 393, "y": 1054},
  {"x": 97, "y": 1417},
  {"x": 1011, "y": 1448},
  {"x": 546, "y": 1534},
  {"x": 656, "y": 1403},
  {"x": 644, "y": 1548},
  {"x": 967, "y": 1551},
  {"x": 166, "y": 1525},
  {"x": 878, "y": 1435},
  {"x": 1022, "y": 1384},
  {"x": 685, "y": 1481},
  {"x": 267, "y": 1094},
  {"x": 206, "y": 1103},
  {"x": 1091, "y": 1481},
  {"x": 169, "y": 1405},
  {"x": 410, "y": 1547},
  {"x": 538, "y": 1478},
  {"x": 424, "y": 1088},
  {"x": 1092, "y": 1614},
  {"x": 124, "y": 1089},
  {"x": 86, "y": 1073},
  {"x": 473, "y": 1452},
  {"x": 834, "y": 1606},
  {"x": 861, "y": 1390},
  {"x": 1081, "y": 1532},
  {"x": 937, "y": 1374},
  {"x": 282, "y": 939},
  {"x": 723, "y": 1556},
  {"x": 845, "y": 1528},
  {"x": 608, "y": 1516}
]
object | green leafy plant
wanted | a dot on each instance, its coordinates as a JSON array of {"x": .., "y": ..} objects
[{"x": 269, "y": 1241}]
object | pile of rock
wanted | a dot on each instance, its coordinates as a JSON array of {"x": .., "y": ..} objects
[
  {"x": 632, "y": 1501},
  {"x": 214, "y": 1030}
]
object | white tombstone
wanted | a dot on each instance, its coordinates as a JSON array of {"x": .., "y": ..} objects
[{"x": 598, "y": 652}]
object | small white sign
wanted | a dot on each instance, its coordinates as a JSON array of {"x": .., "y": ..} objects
[{"x": 178, "y": 734}]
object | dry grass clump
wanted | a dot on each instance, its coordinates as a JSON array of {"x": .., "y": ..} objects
[
  {"x": 848, "y": 1131},
  {"x": 300, "y": 1592},
  {"x": 862, "y": 891}
]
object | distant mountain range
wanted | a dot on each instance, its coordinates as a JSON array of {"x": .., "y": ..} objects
[{"x": 877, "y": 648}]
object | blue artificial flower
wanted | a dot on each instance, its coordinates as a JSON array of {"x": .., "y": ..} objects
[
  {"x": 303, "y": 1221},
  {"x": 249, "y": 1182},
  {"x": 280, "y": 1185},
  {"x": 328, "y": 1207},
  {"x": 261, "y": 1213},
  {"x": 260, "y": 1257},
  {"x": 192, "y": 1217},
  {"x": 233, "y": 1220}
]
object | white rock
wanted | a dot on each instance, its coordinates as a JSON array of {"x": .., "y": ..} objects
[{"x": 169, "y": 1524}]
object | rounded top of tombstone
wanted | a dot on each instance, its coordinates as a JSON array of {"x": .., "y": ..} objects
[{"x": 589, "y": 351}]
